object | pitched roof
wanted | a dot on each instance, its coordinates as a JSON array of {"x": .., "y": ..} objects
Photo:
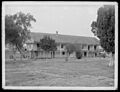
[{"x": 59, "y": 38}]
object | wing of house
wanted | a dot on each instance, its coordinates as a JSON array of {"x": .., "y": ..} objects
[{"x": 90, "y": 45}]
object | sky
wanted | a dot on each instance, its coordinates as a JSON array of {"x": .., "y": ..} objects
[{"x": 68, "y": 19}]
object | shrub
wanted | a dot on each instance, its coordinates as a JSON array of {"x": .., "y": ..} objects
[
  {"x": 102, "y": 55},
  {"x": 78, "y": 55}
]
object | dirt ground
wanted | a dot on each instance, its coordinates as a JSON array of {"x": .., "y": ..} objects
[{"x": 87, "y": 72}]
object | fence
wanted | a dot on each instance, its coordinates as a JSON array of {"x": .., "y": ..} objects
[
  {"x": 42, "y": 55},
  {"x": 31, "y": 55}
]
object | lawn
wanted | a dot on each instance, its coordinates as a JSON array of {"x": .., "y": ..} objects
[{"x": 88, "y": 72}]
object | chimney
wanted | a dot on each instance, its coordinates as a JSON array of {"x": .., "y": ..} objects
[{"x": 57, "y": 32}]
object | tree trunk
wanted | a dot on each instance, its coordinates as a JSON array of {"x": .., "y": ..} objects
[
  {"x": 111, "y": 62},
  {"x": 67, "y": 55},
  {"x": 36, "y": 55},
  {"x": 21, "y": 52},
  {"x": 51, "y": 54},
  {"x": 21, "y": 57},
  {"x": 14, "y": 56},
  {"x": 45, "y": 56},
  {"x": 31, "y": 54}
]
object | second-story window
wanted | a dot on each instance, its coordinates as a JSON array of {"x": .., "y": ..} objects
[
  {"x": 88, "y": 47},
  {"x": 82, "y": 46},
  {"x": 95, "y": 47},
  {"x": 61, "y": 45},
  {"x": 63, "y": 53},
  {"x": 38, "y": 45}
]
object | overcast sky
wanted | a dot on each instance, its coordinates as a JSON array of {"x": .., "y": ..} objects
[{"x": 69, "y": 19}]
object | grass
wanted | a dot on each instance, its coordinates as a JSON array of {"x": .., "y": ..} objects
[{"x": 88, "y": 72}]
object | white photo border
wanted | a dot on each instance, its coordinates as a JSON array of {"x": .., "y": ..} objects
[{"x": 59, "y": 3}]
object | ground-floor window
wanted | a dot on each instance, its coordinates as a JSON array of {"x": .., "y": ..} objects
[
  {"x": 61, "y": 45},
  {"x": 85, "y": 54},
  {"x": 63, "y": 53},
  {"x": 95, "y": 54}
]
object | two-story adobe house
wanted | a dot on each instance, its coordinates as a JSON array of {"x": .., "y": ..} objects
[{"x": 90, "y": 46}]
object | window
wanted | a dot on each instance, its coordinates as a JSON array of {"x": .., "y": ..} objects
[
  {"x": 95, "y": 47},
  {"x": 25, "y": 49},
  {"x": 85, "y": 54},
  {"x": 88, "y": 47},
  {"x": 63, "y": 53},
  {"x": 38, "y": 44},
  {"x": 61, "y": 45},
  {"x": 95, "y": 54},
  {"x": 82, "y": 46}
]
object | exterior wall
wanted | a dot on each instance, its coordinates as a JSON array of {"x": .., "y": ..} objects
[
  {"x": 61, "y": 49},
  {"x": 41, "y": 54},
  {"x": 90, "y": 50},
  {"x": 84, "y": 47},
  {"x": 61, "y": 53},
  {"x": 87, "y": 50},
  {"x": 30, "y": 45}
]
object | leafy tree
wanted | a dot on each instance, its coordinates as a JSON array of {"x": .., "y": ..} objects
[
  {"x": 78, "y": 54},
  {"x": 48, "y": 44},
  {"x": 17, "y": 29},
  {"x": 70, "y": 48},
  {"x": 104, "y": 27},
  {"x": 24, "y": 21}
]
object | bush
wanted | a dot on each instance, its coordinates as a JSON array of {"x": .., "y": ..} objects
[
  {"x": 78, "y": 55},
  {"x": 102, "y": 55}
]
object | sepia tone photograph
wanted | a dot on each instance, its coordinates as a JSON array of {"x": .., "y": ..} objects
[{"x": 60, "y": 45}]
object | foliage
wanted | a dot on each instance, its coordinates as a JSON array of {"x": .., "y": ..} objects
[
  {"x": 70, "y": 48},
  {"x": 105, "y": 27},
  {"x": 78, "y": 54},
  {"x": 12, "y": 32},
  {"x": 24, "y": 21},
  {"x": 48, "y": 44},
  {"x": 102, "y": 55},
  {"x": 17, "y": 29}
]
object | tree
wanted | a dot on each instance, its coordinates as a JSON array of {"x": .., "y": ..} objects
[
  {"x": 70, "y": 48},
  {"x": 78, "y": 54},
  {"x": 24, "y": 21},
  {"x": 48, "y": 44},
  {"x": 17, "y": 29},
  {"x": 104, "y": 28}
]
